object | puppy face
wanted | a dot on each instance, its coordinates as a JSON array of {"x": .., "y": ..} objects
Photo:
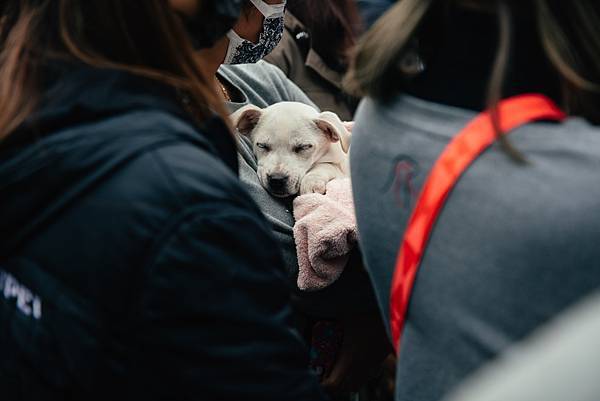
[{"x": 288, "y": 138}]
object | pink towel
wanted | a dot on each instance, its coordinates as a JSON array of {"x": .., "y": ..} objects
[{"x": 325, "y": 233}]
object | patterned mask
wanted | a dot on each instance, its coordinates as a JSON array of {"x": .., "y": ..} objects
[{"x": 242, "y": 51}]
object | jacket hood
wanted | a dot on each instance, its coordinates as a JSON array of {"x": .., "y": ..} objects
[{"x": 83, "y": 130}]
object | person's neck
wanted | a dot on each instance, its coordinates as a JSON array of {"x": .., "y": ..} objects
[{"x": 459, "y": 72}]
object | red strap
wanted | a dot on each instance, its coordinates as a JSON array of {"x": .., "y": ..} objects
[{"x": 476, "y": 137}]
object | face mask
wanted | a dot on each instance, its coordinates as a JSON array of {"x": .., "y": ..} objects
[
  {"x": 212, "y": 21},
  {"x": 242, "y": 51}
]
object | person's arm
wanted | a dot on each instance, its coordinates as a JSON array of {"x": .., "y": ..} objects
[{"x": 215, "y": 316}]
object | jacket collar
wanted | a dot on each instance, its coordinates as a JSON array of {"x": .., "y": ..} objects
[{"x": 312, "y": 59}]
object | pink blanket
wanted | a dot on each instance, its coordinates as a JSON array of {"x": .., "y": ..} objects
[{"x": 325, "y": 233}]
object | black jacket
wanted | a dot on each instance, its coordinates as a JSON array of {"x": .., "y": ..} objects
[{"x": 132, "y": 263}]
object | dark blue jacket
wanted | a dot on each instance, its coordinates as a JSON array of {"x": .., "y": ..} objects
[{"x": 132, "y": 263}]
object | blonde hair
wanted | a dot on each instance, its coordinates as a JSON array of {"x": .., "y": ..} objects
[{"x": 569, "y": 32}]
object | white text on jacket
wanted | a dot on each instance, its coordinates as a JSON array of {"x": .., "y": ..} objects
[{"x": 27, "y": 302}]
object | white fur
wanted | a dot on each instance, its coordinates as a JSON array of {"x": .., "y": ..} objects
[{"x": 283, "y": 129}]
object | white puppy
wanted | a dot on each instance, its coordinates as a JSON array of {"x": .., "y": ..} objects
[{"x": 298, "y": 149}]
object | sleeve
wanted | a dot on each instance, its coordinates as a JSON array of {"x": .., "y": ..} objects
[{"x": 216, "y": 321}]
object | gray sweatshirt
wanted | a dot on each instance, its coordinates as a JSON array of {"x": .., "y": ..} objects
[
  {"x": 263, "y": 84},
  {"x": 513, "y": 246},
  {"x": 560, "y": 362}
]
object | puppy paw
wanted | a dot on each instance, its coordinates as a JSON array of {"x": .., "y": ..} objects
[{"x": 313, "y": 184}]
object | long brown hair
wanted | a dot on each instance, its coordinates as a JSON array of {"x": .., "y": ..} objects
[
  {"x": 568, "y": 31},
  {"x": 146, "y": 38},
  {"x": 334, "y": 25}
]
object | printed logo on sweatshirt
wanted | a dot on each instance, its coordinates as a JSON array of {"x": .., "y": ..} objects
[
  {"x": 400, "y": 181},
  {"x": 26, "y": 301}
]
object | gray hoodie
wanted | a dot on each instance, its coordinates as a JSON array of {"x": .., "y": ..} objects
[{"x": 513, "y": 246}]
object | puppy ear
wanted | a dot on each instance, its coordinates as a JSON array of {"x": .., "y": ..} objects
[
  {"x": 334, "y": 129},
  {"x": 246, "y": 119}
]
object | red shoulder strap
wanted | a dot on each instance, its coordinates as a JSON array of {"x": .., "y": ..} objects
[{"x": 476, "y": 137}]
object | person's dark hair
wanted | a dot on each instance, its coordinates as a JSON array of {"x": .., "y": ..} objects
[
  {"x": 568, "y": 32},
  {"x": 146, "y": 38},
  {"x": 334, "y": 26}
]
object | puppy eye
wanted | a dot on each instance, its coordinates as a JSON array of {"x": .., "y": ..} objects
[
  {"x": 302, "y": 148},
  {"x": 263, "y": 146}
]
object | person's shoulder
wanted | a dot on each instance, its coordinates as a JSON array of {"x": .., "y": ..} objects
[
  {"x": 160, "y": 159},
  {"x": 262, "y": 73},
  {"x": 579, "y": 127},
  {"x": 264, "y": 84},
  {"x": 575, "y": 140}
]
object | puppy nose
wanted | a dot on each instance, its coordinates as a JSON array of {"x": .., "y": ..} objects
[{"x": 277, "y": 182}]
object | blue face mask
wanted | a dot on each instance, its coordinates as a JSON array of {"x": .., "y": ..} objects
[{"x": 242, "y": 51}]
